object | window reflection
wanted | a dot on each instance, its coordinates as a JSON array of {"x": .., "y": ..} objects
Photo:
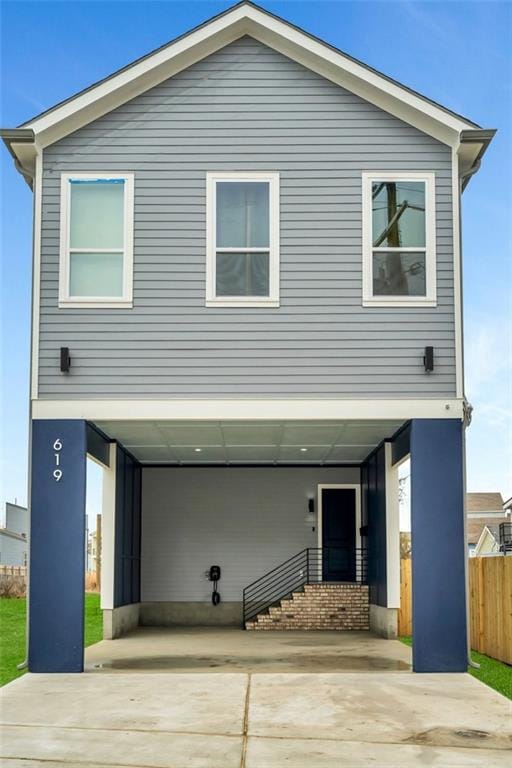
[{"x": 398, "y": 273}]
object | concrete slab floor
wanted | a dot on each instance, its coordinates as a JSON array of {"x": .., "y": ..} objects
[
  {"x": 212, "y": 720},
  {"x": 201, "y": 649}
]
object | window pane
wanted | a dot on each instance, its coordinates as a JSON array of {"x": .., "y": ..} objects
[
  {"x": 242, "y": 214},
  {"x": 399, "y": 274},
  {"x": 96, "y": 274},
  {"x": 242, "y": 274},
  {"x": 97, "y": 215},
  {"x": 398, "y": 212}
]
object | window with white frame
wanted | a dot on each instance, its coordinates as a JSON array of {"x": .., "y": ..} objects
[
  {"x": 96, "y": 240},
  {"x": 399, "y": 239},
  {"x": 242, "y": 265}
]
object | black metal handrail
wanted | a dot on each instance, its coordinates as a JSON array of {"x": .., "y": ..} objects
[{"x": 310, "y": 566}]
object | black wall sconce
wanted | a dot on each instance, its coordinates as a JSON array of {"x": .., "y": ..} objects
[
  {"x": 428, "y": 359},
  {"x": 65, "y": 360},
  {"x": 310, "y": 513}
]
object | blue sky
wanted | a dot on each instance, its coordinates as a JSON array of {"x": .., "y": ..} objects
[{"x": 457, "y": 53}]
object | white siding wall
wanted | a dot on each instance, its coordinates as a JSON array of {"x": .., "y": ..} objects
[
  {"x": 12, "y": 551},
  {"x": 245, "y": 520},
  {"x": 16, "y": 518}
]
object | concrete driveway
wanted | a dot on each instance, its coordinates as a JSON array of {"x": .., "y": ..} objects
[
  {"x": 203, "y": 649},
  {"x": 222, "y": 719}
]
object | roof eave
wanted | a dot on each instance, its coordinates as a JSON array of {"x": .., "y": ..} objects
[
  {"x": 472, "y": 147},
  {"x": 21, "y": 143}
]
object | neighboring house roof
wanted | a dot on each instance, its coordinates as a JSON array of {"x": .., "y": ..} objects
[
  {"x": 245, "y": 18},
  {"x": 12, "y": 535},
  {"x": 483, "y": 509},
  {"x": 14, "y": 505},
  {"x": 507, "y": 505},
  {"x": 484, "y": 502},
  {"x": 475, "y": 527},
  {"x": 492, "y": 531}
]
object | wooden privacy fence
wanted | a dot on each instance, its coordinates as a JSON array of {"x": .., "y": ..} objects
[
  {"x": 490, "y": 605},
  {"x": 405, "y": 612},
  {"x": 13, "y": 570}
]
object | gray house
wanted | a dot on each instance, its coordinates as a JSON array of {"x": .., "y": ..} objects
[
  {"x": 247, "y": 309},
  {"x": 13, "y": 537}
]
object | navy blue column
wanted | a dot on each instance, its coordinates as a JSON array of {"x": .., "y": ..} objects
[
  {"x": 57, "y": 546},
  {"x": 374, "y": 489},
  {"x": 437, "y": 522}
]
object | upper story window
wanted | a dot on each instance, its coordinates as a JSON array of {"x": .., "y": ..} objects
[
  {"x": 242, "y": 265},
  {"x": 96, "y": 240},
  {"x": 399, "y": 239}
]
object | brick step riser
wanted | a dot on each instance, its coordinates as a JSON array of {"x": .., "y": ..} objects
[{"x": 318, "y": 607}]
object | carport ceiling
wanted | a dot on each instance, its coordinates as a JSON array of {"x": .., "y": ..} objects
[{"x": 251, "y": 442}]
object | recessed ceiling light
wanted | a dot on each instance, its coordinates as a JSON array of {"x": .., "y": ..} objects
[
  {"x": 303, "y": 450},
  {"x": 198, "y": 450}
]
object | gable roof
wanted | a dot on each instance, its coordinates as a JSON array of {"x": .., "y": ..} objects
[
  {"x": 246, "y": 18},
  {"x": 229, "y": 11},
  {"x": 475, "y": 527},
  {"x": 493, "y": 531}
]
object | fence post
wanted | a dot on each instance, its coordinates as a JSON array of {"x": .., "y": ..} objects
[{"x": 481, "y": 607}]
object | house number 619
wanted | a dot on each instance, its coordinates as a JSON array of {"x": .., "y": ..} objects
[{"x": 57, "y": 447}]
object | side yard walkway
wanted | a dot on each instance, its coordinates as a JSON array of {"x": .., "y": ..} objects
[{"x": 228, "y": 720}]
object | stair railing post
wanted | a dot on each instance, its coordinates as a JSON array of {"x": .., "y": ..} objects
[{"x": 307, "y": 566}]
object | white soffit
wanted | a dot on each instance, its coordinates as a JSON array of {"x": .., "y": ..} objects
[
  {"x": 247, "y": 19},
  {"x": 265, "y": 442}
]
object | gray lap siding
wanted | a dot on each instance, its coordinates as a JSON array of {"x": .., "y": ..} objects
[{"x": 247, "y": 107}]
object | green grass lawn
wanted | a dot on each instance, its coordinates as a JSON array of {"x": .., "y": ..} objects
[
  {"x": 493, "y": 673},
  {"x": 93, "y": 619},
  {"x": 12, "y": 632}
]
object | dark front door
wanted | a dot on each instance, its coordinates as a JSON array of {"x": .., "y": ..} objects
[{"x": 339, "y": 534}]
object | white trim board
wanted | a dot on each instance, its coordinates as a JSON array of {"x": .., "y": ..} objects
[
  {"x": 248, "y": 410},
  {"x": 487, "y": 513},
  {"x": 392, "y": 530},
  {"x": 247, "y": 19},
  {"x": 36, "y": 274},
  {"x": 108, "y": 525},
  {"x": 457, "y": 278}
]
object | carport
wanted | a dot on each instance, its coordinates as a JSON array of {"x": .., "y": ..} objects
[{"x": 183, "y": 494}]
